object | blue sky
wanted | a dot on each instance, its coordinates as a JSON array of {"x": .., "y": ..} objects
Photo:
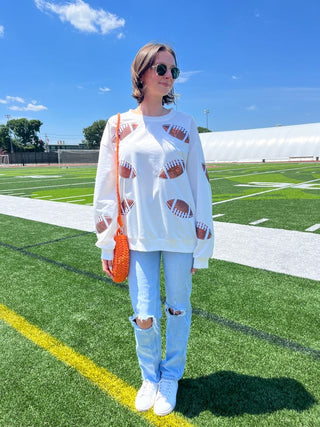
[{"x": 252, "y": 63}]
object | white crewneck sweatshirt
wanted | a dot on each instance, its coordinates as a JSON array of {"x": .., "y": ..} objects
[{"x": 165, "y": 193}]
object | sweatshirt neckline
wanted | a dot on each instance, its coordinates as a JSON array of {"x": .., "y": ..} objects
[{"x": 152, "y": 118}]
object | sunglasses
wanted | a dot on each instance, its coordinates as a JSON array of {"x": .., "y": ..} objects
[{"x": 161, "y": 70}]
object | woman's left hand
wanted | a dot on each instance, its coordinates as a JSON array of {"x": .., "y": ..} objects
[{"x": 193, "y": 270}]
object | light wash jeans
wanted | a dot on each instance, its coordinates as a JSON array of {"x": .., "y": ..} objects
[{"x": 144, "y": 287}]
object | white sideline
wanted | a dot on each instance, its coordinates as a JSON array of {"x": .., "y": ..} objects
[{"x": 295, "y": 253}]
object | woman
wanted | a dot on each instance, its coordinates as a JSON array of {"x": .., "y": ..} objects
[{"x": 166, "y": 210}]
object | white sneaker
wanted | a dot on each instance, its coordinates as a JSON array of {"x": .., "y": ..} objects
[
  {"x": 166, "y": 397},
  {"x": 146, "y": 396}
]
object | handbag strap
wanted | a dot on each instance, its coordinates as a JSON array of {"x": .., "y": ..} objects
[{"x": 118, "y": 192}]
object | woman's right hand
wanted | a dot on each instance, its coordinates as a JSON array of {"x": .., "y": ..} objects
[{"x": 107, "y": 267}]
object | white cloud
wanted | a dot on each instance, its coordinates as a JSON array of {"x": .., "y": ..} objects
[
  {"x": 82, "y": 16},
  {"x": 16, "y": 108},
  {"x": 251, "y": 108},
  {"x": 120, "y": 36},
  {"x": 15, "y": 99},
  {"x": 33, "y": 107},
  {"x": 1, "y": 30},
  {"x": 235, "y": 78},
  {"x": 29, "y": 107},
  {"x": 104, "y": 89},
  {"x": 185, "y": 76}
]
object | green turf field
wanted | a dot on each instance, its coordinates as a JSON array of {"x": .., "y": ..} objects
[
  {"x": 254, "y": 349},
  {"x": 253, "y": 356},
  {"x": 283, "y": 195}
]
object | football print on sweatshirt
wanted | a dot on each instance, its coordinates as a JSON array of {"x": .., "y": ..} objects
[
  {"x": 180, "y": 208},
  {"x": 103, "y": 222},
  {"x": 205, "y": 170},
  {"x": 126, "y": 205},
  {"x": 126, "y": 170},
  {"x": 203, "y": 231},
  {"x": 124, "y": 130},
  {"x": 172, "y": 169},
  {"x": 178, "y": 132}
]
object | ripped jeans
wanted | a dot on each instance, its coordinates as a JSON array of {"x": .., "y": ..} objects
[{"x": 144, "y": 287}]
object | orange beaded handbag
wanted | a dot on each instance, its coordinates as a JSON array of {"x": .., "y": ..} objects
[{"x": 120, "y": 265}]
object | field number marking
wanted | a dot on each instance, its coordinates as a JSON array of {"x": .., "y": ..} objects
[{"x": 108, "y": 382}]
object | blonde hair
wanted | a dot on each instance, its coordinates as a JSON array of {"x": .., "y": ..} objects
[{"x": 143, "y": 60}]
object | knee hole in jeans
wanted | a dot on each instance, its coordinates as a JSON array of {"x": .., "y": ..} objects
[
  {"x": 174, "y": 312},
  {"x": 144, "y": 323}
]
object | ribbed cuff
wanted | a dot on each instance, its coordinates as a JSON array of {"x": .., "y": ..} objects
[
  {"x": 108, "y": 255},
  {"x": 200, "y": 262}
]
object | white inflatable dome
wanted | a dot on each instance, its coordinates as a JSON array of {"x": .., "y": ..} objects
[{"x": 298, "y": 142}]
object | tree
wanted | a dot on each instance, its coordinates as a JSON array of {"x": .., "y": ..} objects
[
  {"x": 25, "y": 134},
  {"x": 93, "y": 134},
  {"x": 39, "y": 145},
  {"x": 203, "y": 130},
  {"x": 5, "y": 138}
]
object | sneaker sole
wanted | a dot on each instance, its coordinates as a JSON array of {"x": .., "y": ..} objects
[{"x": 162, "y": 414}]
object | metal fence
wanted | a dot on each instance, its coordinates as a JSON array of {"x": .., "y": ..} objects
[
  {"x": 60, "y": 157},
  {"x": 26, "y": 157}
]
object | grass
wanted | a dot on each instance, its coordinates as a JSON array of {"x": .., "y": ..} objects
[
  {"x": 290, "y": 208},
  {"x": 254, "y": 351},
  {"x": 238, "y": 373}
]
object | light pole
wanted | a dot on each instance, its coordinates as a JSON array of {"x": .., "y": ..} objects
[
  {"x": 206, "y": 112},
  {"x": 177, "y": 96},
  {"x": 8, "y": 117}
]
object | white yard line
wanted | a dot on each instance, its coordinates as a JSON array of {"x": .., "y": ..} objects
[
  {"x": 34, "y": 180},
  {"x": 263, "y": 192},
  {"x": 314, "y": 227},
  {"x": 47, "y": 186},
  {"x": 259, "y": 221},
  {"x": 283, "y": 251},
  {"x": 71, "y": 197},
  {"x": 217, "y": 215},
  {"x": 79, "y": 200},
  {"x": 78, "y": 217},
  {"x": 218, "y": 170},
  {"x": 41, "y": 197},
  {"x": 259, "y": 173},
  {"x": 14, "y": 181},
  {"x": 290, "y": 252}
]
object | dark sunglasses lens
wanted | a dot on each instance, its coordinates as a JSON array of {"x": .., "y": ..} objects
[
  {"x": 161, "y": 69},
  {"x": 175, "y": 72}
]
